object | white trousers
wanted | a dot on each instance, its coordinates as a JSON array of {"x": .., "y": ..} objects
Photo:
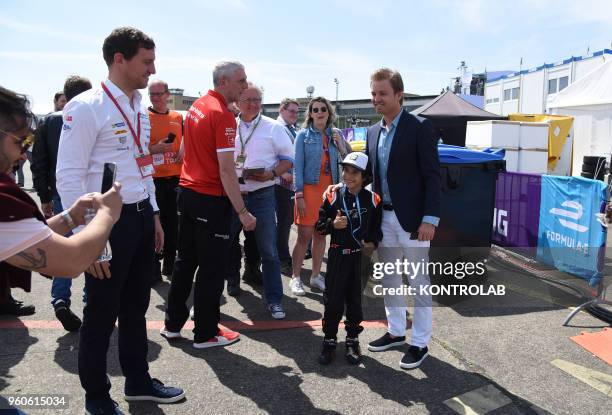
[{"x": 396, "y": 244}]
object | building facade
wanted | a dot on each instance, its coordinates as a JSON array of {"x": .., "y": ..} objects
[
  {"x": 530, "y": 91},
  {"x": 354, "y": 112},
  {"x": 178, "y": 101},
  {"x": 349, "y": 113}
]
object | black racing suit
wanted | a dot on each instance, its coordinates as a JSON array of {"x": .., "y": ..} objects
[{"x": 343, "y": 277}]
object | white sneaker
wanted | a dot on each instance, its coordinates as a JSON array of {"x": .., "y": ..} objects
[
  {"x": 222, "y": 339},
  {"x": 296, "y": 286},
  {"x": 170, "y": 335},
  {"x": 277, "y": 311},
  {"x": 317, "y": 282}
]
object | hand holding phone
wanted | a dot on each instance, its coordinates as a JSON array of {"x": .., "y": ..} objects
[
  {"x": 171, "y": 138},
  {"x": 108, "y": 176}
]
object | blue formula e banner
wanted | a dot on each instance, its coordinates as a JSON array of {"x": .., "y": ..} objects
[{"x": 571, "y": 236}]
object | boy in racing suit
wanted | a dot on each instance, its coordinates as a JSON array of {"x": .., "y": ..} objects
[{"x": 352, "y": 215}]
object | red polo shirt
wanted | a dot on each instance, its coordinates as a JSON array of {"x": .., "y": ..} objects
[{"x": 210, "y": 128}]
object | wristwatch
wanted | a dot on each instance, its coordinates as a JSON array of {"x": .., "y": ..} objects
[
  {"x": 68, "y": 219},
  {"x": 156, "y": 213}
]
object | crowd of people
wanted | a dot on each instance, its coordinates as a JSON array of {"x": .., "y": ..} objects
[{"x": 186, "y": 188}]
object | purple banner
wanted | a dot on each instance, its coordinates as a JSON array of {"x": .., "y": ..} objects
[
  {"x": 517, "y": 211},
  {"x": 349, "y": 134}
]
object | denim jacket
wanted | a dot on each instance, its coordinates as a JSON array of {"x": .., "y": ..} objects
[{"x": 308, "y": 153}]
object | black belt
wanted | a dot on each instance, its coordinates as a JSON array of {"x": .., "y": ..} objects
[
  {"x": 387, "y": 206},
  {"x": 254, "y": 191},
  {"x": 167, "y": 178},
  {"x": 136, "y": 207}
]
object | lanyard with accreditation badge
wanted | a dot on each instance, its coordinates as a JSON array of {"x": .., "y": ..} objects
[
  {"x": 144, "y": 161},
  {"x": 348, "y": 214},
  {"x": 241, "y": 158}
]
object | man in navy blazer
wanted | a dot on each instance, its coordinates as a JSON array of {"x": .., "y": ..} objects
[{"x": 404, "y": 162}]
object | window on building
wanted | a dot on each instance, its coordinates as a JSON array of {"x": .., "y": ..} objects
[
  {"x": 563, "y": 81},
  {"x": 552, "y": 86},
  {"x": 510, "y": 94}
]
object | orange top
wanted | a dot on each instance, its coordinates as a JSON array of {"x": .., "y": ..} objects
[
  {"x": 210, "y": 128},
  {"x": 313, "y": 193},
  {"x": 161, "y": 126}
]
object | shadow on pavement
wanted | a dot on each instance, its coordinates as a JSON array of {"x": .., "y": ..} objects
[
  {"x": 275, "y": 390},
  {"x": 256, "y": 309},
  {"x": 15, "y": 345},
  {"x": 66, "y": 354},
  {"x": 278, "y": 389}
]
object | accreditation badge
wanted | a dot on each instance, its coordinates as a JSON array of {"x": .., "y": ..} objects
[
  {"x": 240, "y": 159},
  {"x": 145, "y": 164}
]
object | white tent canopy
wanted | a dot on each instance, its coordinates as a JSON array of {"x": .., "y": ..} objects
[{"x": 589, "y": 101}]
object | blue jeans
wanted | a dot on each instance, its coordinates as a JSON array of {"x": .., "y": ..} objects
[
  {"x": 60, "y": 287},
  {"x": 262, "y": 204}
]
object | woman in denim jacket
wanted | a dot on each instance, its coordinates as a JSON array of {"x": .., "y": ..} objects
[{"x": 316, "y": 167}]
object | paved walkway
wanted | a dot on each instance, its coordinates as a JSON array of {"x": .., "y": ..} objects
[{"x": 510, "y": 356}]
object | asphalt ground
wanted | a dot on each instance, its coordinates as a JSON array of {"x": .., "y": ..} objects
[{"x": 510, "y": 355}]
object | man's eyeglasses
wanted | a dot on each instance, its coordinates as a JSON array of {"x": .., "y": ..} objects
[
  {"x": 294, "y": 112},
  {"x": 251, "y": 100},
  {"x": 317, "y": 109},
  {"x": 157, "y": 94},
  {"x": 24, "y": 142}
]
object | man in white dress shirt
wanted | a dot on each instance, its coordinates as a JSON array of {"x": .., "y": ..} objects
[
  {"x": 264, "y": 149},
  {"x": 109, "y": 124}
]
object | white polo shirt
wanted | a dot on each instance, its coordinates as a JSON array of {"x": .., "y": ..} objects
[
  {"x": 267, "y": 146},
  {"x": 94, "y": 133}
]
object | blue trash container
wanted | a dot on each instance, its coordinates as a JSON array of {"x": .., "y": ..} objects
[{"x": 468, "y": 181}]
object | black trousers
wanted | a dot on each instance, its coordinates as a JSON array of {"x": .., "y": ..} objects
[
  {"x": 203, "y": 243},
  {"x": 342, "y": 287},
  {"x": 251, "y": 252},
  {"x": 235, "y": 253},
  {"x": 284, "y": 220},
  {"x": 124, "y": 296},
  {"x": 165, "y": 193}
]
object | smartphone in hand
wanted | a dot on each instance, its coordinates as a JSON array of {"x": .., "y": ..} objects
[{"x": 108, "y": 176}]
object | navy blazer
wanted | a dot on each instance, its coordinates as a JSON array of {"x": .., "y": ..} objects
[{"x": 413, "y": 173}]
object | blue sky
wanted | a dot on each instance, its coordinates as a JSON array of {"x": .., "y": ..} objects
[{"x": 288, "y": 45}]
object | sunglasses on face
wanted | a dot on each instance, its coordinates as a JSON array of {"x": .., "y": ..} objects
[
  {"x": 317, "y": 109},
  {"x": 156, "y": 94},
  {"x": 24, "y": 142}
]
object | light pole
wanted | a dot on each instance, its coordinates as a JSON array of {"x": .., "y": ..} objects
[
  {"x": 337, "y": 83},
  {"x": 309, "y": 91},
  {"x": 337, "y": 106}
]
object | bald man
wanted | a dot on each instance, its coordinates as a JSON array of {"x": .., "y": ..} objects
[{"x": 167, "y": 164}]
